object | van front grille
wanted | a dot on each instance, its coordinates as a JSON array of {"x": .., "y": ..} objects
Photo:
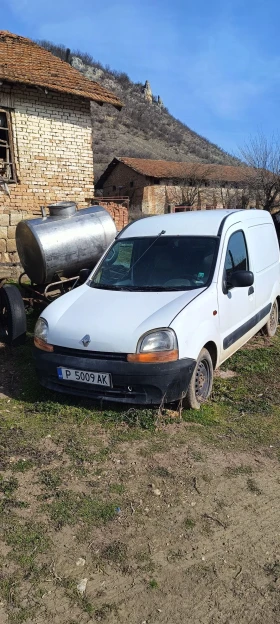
[{"x": 91, "y": 355}]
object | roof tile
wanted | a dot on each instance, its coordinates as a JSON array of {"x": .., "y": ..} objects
[
  {"x": 23, "y": 61},
  {"x": 171, "y": 169}
]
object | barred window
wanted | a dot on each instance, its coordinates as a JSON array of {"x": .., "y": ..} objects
[{"x": 7, "y": 162}]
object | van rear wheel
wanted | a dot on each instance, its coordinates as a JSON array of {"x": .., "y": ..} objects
[
  {"x": 270, "y": 327},
  {"x": 201, "y": 382}
]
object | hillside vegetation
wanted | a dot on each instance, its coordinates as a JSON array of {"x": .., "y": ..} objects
[{"x": 142, "y": 129}]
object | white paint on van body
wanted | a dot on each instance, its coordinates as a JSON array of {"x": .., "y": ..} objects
[{"x": 117, "y": 320}]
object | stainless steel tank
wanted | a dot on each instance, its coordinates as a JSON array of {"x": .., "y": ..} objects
[{"x": 64, "y": 242}]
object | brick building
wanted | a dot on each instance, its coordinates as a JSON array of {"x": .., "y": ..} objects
[
  {"x": 45, "y": 135},
  {"x": 158, "y": 186}
]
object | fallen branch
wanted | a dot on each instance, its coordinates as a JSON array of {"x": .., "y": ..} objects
[{"x": 214, "y": 520}]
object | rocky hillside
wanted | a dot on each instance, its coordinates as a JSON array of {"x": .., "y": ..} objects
[{"x": 144, "y": 128}]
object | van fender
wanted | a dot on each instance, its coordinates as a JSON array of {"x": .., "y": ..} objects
[
  {"x": 197, "y": 324},
  {"x": 192, "y": 341}
]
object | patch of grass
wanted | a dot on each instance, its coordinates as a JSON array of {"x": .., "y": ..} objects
[
  {"x": 142, "y": 418},
  {"x": 145, "y": 561},
  {"x": 8, "y": 485},
  {"x": 196, "y": 456},
  {"x": 27, "y": 540},
  {"x": 253, "y": 486},
  {"x": 153, "y": 584},
  {"x": 21, "y": 614},
  {"x": 12, "y": 503},
  {"x": 117, "y": 488},
  {"x": 160, "y": 471},
  {"x": 70, "y": 587},
  {"x": 234, "y": 471},
  {"x": 50, "y": 479},
  {"x": 7, "y": 589},
  {"x": 273, "y": 569},
  {"x": 207, "y": 416},
  {"x": 22, "y": 465},
  {"x": 115, "y": 551},
  {"x": 189, "y": 523},
  {"x": 69, "y": 508}
]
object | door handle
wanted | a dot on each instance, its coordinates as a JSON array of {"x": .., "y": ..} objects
[{"x": 251, "y": 290}]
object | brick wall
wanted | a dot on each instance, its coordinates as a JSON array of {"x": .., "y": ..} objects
[
  {"x": 117, "y": 212},
  {"x": 52, "y": 140},
  {"x": 123, "y": 176},
  {"x": 52, "y": 136}
]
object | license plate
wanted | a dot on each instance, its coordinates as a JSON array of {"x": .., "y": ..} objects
[{"x": 98, "y": 379}]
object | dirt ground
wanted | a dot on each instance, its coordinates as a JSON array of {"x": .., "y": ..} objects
[{"x": 164, "y": 520}]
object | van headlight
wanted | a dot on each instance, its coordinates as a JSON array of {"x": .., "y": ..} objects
[
  {"x": 41, "y": 335},
  {"x": 159, "y": 345}
]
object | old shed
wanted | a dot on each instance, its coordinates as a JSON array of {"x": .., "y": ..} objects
[{"x": 45, "y": 134}]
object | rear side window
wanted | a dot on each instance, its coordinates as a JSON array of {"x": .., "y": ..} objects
[{"x": 236, "y": 256}]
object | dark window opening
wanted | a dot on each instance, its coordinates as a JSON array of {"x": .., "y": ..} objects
[
  {"x": 131, "y": 184},
  {"x": 236, "y": 256},
  {"x": 114, "y": 187},
  {"x": 7, "y": 163}
]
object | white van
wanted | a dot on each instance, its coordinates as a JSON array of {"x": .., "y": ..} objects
[{"x": 171, "y": 299}]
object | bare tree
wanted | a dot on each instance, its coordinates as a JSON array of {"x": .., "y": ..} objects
[
  {"x": 231, "y": 196},
  {"x": 262, "y": 155}
]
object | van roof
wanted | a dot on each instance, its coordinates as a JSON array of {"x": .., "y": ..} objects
[{"x": 194, "y": 223}]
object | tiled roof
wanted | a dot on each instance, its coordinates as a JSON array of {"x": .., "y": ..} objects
[
  {"x": 170, "y": 169},
  {"x": 23, "y": 61}
]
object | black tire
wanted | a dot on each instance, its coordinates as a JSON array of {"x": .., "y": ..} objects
[
  {"x": 12, "y": 316},
  {"x": 201, "y": 382},
  {"x": 270, "y": 328}
]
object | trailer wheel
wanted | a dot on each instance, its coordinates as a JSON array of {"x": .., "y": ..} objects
[{"x": 12, "y": 316}]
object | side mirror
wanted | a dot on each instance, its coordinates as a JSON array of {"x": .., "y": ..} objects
[
  {"x": 240, "y": 279},
  {"x": 83, "y": 275}
]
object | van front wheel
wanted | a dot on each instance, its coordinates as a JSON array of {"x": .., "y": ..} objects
[
  {"x": 201, "y": 382},
  {"x": 270, "y": 327}
]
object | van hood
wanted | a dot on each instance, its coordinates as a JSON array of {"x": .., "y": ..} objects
[{"x": 114, "y": 320}]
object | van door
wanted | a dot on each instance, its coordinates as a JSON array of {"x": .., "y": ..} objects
[{"x": 236, "y": 305}]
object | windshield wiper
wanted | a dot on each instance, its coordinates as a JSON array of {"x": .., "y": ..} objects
[{"x": 105, "y": 286}]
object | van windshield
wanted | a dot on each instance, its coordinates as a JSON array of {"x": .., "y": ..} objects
[{"x": 157, "y": 264}]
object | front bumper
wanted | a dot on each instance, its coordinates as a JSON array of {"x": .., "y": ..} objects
[{"x": 139, "y": 384}]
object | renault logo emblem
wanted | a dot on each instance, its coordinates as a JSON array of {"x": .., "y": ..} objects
[{"x": 86, "y": 340}]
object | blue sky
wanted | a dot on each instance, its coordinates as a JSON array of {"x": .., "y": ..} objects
[{"x": 216, "y": 64}]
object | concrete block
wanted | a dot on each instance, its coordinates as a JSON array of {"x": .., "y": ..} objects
[
  {"x": 11, "y": 231},
  {"x": 3, "y": 245},
  {"x": 4, "y": 219},
  {"x": 15, "y": 218},
  {"x": 11, "y": 245},
  {"x": 3, "y": 232}
]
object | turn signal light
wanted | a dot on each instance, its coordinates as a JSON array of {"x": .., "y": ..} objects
[
  {"x": 157, "y": 356},
  {"x": 41, "y": 344}
]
